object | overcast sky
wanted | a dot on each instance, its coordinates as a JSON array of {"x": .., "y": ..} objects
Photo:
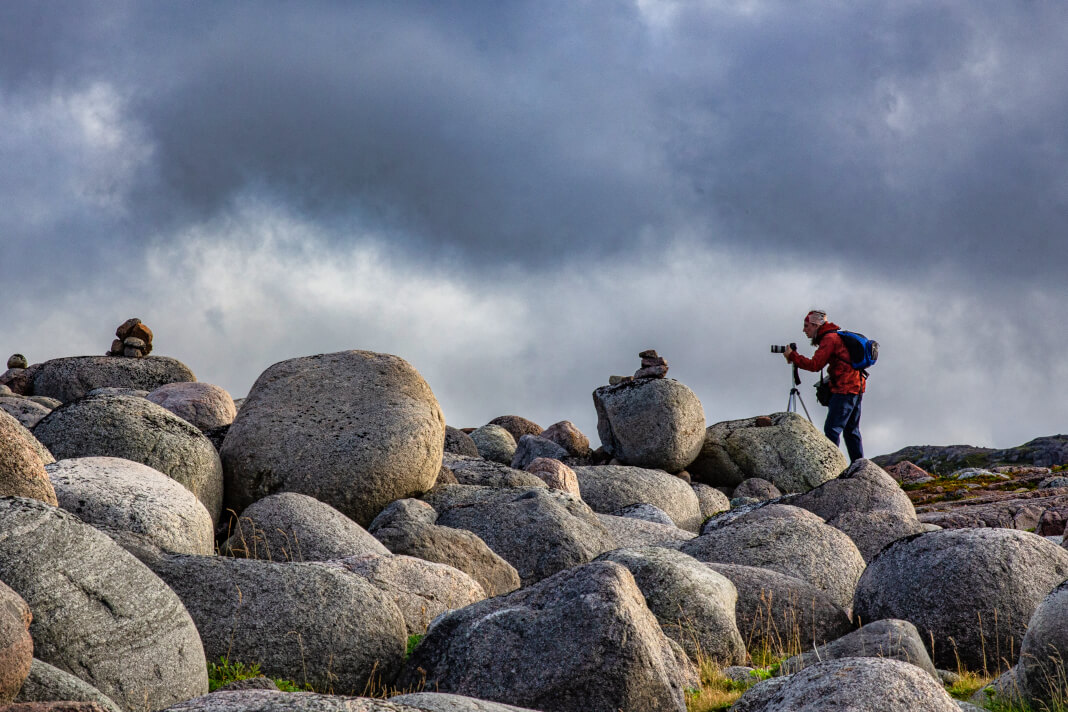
[{"x": 519, "y": 197}]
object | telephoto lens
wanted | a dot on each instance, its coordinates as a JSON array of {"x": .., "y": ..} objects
[{"x": 775, "y": 349}]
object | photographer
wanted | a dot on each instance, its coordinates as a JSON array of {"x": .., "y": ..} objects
[{"x": 847, "y": 383}]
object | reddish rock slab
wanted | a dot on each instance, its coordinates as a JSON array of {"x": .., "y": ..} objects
[{"x": 1007, "y": 510}]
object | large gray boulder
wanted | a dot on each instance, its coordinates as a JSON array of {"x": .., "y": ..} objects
[
  {"x": 98, "y": 612},
  {"x": 444, "y": 702},
  {"x": 22, "y": 470},
  {"x": 885, "y": 638},
  {"x": 204, "y": 405},
  {"x": 289, "y": 526},
  {"x": 135, "y": 429},
  {"x": 630, "y": 532},
  {"x": 872, "y": 531},
  {"x": 494, "y": 443},
  {"x": 971, "y": 591},
  {"x": 791, "y": 453},
  {"x": 694, "y": 604},
  {"x": 537, "y": 530},
  {"x": 16, "y": 645},
  {"x": 67, "y": 379},
  {"x": 409, "y": 526},
  {"x": 580, "y": 640},
  {"x": 354, "y": 429},
  {"x": 307, "y": 622},
  {"x": 788, "y": 542},
  {"x": 782, "y": 614},
  {"x": 650, "y": 422},
  {"x": 868, "y": 684},
  {"x": 1041, "y": 671},
  {"x": 277, "y": 701},
  {"x": 609, "y": 488},
  {"x": 422, "y": 590},
  {"x": 120, "y": 496},
  {"x": 863, "y": 487},
  {"x": 47, "y": 683}
]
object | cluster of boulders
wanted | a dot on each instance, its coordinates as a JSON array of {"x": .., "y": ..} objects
[
  {"x": 146, "y": 531},
  {"x": 133, "y": 339}
]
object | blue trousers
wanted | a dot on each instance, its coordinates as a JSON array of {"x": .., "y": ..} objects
[{"x": 843, "y": 416}]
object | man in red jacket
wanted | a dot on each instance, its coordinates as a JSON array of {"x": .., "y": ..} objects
[{"x": 847, "y": 383}]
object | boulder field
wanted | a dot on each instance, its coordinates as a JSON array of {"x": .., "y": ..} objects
[{"x": 331, "y": 530}]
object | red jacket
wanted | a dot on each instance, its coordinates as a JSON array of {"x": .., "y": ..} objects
[{"x": 832, "y": 352}]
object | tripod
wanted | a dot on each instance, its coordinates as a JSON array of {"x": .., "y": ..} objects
[{"x": 795, "y": 395}]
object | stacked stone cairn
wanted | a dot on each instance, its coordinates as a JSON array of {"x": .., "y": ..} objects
[
  {"x": 133, "y": 340},
  {"x": 653, "y": 366}
]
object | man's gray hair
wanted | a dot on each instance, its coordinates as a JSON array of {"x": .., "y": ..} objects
[{"x": 817, "y": 317}]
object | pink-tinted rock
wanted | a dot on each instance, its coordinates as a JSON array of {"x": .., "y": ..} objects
[
  {"x": 653, "y": 365},
  {"x": 202, "y": 404},
  {"x": 907, "y": 473},
  {"x": 22, "y": 471},
  {"x": 517, "y": 426},
  {"x": 1006, "y": 510},
  {"x": 567, "y": 436},
  {"x": 16, "y": 646},
  {"x": 1052, "y": 521},
  {"x": 555, "y": 474}
]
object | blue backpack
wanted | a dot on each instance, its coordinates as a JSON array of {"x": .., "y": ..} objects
[{"x": 863, "y": 352}]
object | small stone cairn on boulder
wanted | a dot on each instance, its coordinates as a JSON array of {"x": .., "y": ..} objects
[
  {"x": 653, "y": 366},
  {"x": 133, "y": 340},
  {"x": 14, "y": 377},
  {"x": 648, "y": 420}
]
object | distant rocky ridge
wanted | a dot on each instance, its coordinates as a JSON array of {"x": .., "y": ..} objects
[{"x": 1048, "y": 451}]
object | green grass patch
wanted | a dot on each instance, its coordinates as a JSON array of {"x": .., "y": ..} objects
[
  {"x": 413, "y": 642},
  {"x": 226, "y": 671}
]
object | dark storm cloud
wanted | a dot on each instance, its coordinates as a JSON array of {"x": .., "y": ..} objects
[{"x": 899, "y": 137}]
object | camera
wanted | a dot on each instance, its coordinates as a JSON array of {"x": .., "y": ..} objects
[{"x": 775, "y": 349}]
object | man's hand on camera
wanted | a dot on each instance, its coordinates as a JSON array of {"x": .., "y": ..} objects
[{"x": 786, "y": 354}]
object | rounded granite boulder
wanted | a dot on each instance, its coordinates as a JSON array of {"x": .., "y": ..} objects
[
  {"x": 308, "y": 622},
  {"x": 22, "y": 471},
  {"x": 204, "y": 405},
  {"x": 609, "y": 488},
  {"x": 135, "y": 429},
  {"x": 970, "y": 591},
  {"x": 98, "y": 612},
  {"x": 354, "y": 429},
  {"x": 694, "y": 604},
  {"x": 494, "y": 443},
  {"x": 582, "y": 639},
  {"x": 788, "y": 540},
  {"x": 70, "y": 378},
  {"x": 650, "y": 422},
  {"x": 121, "y": 498},
  {"x": 869, "y": 684},
  {"x": 289, "y": 526},
  {"x": 791, "y": 453}
]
